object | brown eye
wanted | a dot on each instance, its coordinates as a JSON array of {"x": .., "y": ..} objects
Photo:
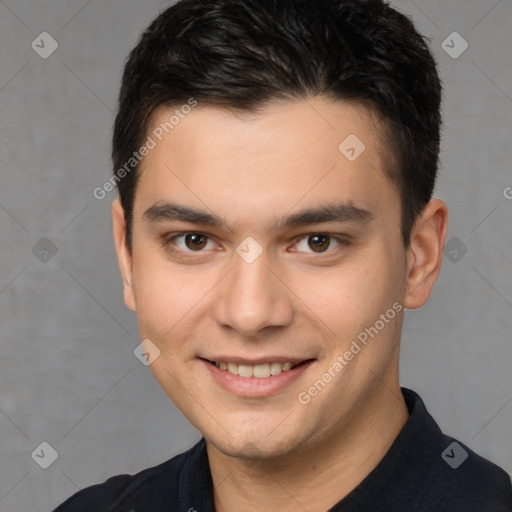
[
  {"x": 319, "y": 243},
  {"x": 195, "y": 241}
]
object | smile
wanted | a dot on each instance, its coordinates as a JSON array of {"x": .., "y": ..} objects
[
  {"x": 256, "y": 380},
  {"x": 260, "y": 371}
]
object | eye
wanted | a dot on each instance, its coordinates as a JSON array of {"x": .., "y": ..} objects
[
  {"x": 189, "y": 242},
  {"x": 318, "y": 243}
]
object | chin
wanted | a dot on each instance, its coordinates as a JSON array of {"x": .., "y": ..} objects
[{"x": 255, "y": 446}]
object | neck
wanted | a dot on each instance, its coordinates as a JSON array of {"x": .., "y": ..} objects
[{"x": 317, "y": 477}]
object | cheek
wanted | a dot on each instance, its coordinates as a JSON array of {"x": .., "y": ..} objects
[
  {"x": 351, "y": 297},
  {"x": 167, "y": 296},
  {"x": 156, "y": 296}
]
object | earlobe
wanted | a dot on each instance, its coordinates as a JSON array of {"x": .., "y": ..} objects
[
  {"x": 425, "y": 254},
  {"x": 124, "y": 255}
]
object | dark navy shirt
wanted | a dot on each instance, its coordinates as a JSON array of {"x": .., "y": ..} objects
[{"x": 424, "y": 471}]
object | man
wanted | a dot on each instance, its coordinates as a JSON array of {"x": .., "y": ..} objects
[{"x": 276, "y": 161}]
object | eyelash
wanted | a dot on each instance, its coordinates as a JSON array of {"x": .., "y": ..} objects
[{"x": 167, "y": 242}]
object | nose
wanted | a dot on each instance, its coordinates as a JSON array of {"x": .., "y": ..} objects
[{"x": 252, "y": 300}]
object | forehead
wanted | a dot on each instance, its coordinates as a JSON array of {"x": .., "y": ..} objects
[{"x": 293, "y": 153}]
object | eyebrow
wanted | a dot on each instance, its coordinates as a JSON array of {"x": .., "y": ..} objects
[
  {"x": 329, "y": 212},
  {"x": 174, "y": 212}
]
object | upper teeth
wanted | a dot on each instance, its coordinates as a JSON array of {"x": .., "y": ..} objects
[{"x": 260, "y": 371}]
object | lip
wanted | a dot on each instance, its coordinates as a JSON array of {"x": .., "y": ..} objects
[
  {"x": 252, "y": 387},
  {"x": 255, "y": 361}
]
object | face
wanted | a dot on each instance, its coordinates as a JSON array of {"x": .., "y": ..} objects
[{"x": 260, "y": 248}]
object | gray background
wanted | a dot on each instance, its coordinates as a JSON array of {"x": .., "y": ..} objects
[{"x": 68, "y": 375}]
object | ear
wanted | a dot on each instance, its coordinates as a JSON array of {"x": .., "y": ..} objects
[
  {"x": 124, "y": 254},
  {"x": 425, "y": 253}
]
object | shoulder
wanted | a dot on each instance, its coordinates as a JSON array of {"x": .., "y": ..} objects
[
  {"x": 467, "y": 482},
  {"x": 454, "y": 477},
  {"x": 161, "y": 481}
]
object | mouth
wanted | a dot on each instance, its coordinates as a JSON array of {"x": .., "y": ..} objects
[
  {"x": 256, "y": 378},
  {"x": 258, "y": 371}
]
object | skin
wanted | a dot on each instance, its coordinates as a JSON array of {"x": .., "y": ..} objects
[{"x": 275, "y": 452}]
